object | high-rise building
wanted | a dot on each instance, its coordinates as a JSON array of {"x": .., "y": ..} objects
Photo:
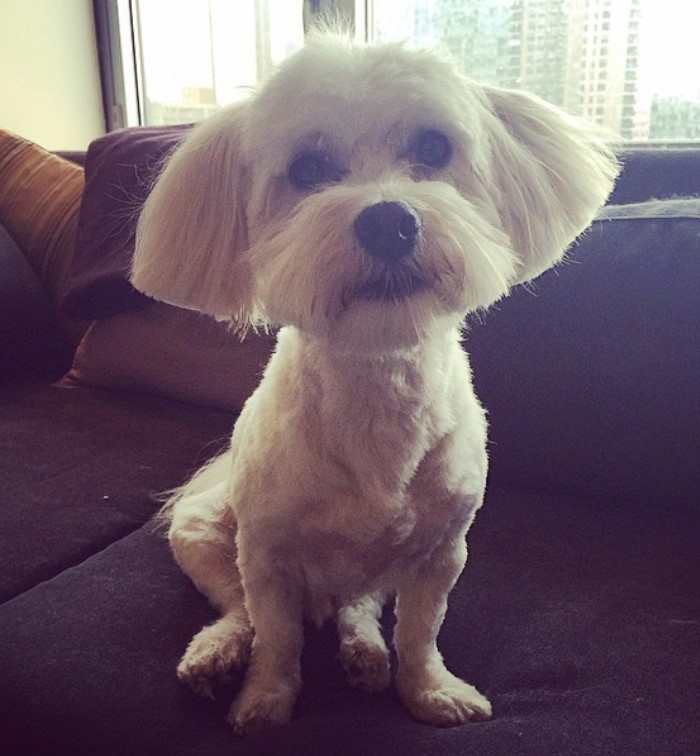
[
  {"x": 580, "y": 54},
  {"x": 480, "y": 35},
  {"x": 609, "y": 42},
  {"x": 583, "y": 55},
  {"x": 545, "y": 40}
]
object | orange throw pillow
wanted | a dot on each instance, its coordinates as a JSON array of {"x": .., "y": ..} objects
[{"x": 40, "y": 196}]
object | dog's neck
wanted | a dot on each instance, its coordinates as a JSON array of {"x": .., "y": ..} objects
[
  {"x": 404, "y": 398},
  {"x": 360, "y": 369}
]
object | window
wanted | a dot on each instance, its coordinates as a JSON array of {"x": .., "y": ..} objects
[{"x": 177, "y": 62}]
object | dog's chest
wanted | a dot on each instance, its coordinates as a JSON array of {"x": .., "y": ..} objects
[
  {"x": 350, "y": 544},
  {"x": 385, "y": 492}
]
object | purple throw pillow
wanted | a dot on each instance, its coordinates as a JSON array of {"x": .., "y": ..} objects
[{"x": 119, "y": 172}]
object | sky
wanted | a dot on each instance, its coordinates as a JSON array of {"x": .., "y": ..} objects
[{"x": 672, "y": 38}]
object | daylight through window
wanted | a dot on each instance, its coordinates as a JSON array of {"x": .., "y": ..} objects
[{"x": 633, "y": 66}]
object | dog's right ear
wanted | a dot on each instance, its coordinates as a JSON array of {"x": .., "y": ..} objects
[
  {"x": 192, "y": 228},
  {"x": 553, "y": 172}
]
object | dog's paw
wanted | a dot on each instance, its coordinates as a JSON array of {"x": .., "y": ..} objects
[
  {"x": 212, "y": 653},
  {"x": 446, "y": 702},
  {"x": 366, "y": 664},
  {"x": 260, "y": 709}
]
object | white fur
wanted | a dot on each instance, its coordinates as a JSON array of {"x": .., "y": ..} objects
[{"x": 357, "y": 466}]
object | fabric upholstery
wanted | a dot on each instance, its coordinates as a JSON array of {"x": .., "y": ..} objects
[
  {"x": 657, "y": 174},
  {"x": 80, "y": 468}
]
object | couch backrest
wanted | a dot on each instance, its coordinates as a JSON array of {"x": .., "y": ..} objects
[{"x": 592, "y": 376}]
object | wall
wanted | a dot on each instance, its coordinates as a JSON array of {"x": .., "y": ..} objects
[{"x": 49, "y": 73}]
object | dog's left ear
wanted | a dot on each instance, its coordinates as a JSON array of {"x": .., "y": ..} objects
[{"x": 554, "y": 172}]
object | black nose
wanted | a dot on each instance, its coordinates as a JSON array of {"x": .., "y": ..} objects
[{"x": 387, "y": 230}]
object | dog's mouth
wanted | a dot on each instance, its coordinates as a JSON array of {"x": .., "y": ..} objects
[{"x": 392, "y": 285}]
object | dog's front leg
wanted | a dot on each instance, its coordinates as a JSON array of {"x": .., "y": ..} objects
[
  {"x": 273, "y": 679},
  {"x": 427, "y": 688}
]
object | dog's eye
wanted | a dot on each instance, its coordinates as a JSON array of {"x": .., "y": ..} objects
[
  {"x": 433, "y": 149},
  {"x": 309, "y": 170}
]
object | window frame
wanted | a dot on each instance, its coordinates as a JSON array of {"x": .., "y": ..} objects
[{"x": 119, "y": 73}]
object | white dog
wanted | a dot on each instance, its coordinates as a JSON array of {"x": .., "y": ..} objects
[{"x": 365, "y": 198}]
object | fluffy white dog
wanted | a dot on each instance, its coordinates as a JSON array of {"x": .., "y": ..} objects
[{"x": 365, "y": 198}]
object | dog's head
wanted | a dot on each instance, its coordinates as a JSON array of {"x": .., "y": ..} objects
[{"x": 368, "y": 195}]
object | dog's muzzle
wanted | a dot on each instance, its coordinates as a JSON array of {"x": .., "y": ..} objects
[
  {"x": 388, "y": 230},
  {"x": 389, "y": 233}
]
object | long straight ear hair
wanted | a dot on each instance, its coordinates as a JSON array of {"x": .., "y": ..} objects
[
  {"x": 554, "y": 172},
  {"x": 192, "y": 228}
]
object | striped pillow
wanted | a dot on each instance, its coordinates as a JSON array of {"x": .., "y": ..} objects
[{"x": 40, "y": 197}]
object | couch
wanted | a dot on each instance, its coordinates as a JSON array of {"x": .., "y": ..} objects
[{"x": 578, "y": 613}]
